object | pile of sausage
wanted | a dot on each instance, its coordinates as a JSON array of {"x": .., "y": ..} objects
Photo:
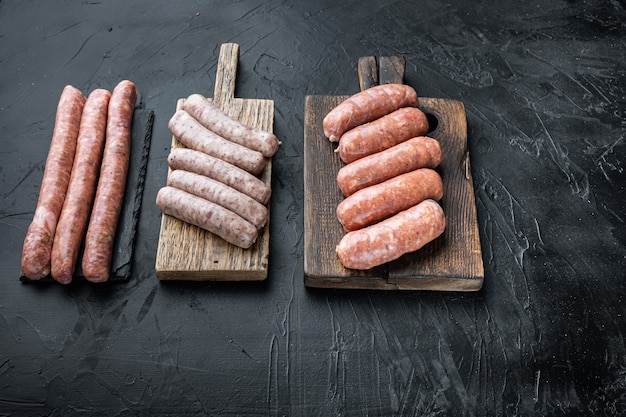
[
  {"x": 214, "y": 183},
  {"x": 389, "y": 181},
  {"x": 83, "y": 185}
]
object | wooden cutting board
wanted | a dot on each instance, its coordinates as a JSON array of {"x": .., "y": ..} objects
[
  {"x": 453, "y": 262},
  {"x": 186, "y": 252}
]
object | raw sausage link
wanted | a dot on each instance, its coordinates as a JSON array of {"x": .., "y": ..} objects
[
  {"x": 206, "y": 215},
  {"x": 195, "y": 136},
  {"x": 221, "y": 194},
  {"x": 215, "y": 168},
  {"x": 219, "y": 122},
  {"x": 366, "y": 106},
  {"x": 82, "y": 187},
  {"x": 380, "y": 201},
  {"x": 382, "y": 133},
  {"x": 383, "y": 242},
  {"x": 36, "y": 253},
  {"x": 415, "y": 153},
  {"x": 111, "y": 185}
]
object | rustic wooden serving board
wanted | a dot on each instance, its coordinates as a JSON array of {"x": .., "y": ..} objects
[
  {"x": 186, "y": 252},
  {"x": 453, "y": 262}
]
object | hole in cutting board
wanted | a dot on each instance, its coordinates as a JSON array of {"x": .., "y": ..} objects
[{"x": 433, "y": 122}]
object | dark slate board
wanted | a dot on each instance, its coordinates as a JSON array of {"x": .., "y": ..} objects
[{"x": 124, "y": 245}]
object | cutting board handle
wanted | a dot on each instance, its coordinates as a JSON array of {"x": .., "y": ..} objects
[
  {"x": 384, "y": 70},
  {"x": 226, "y": 74}
]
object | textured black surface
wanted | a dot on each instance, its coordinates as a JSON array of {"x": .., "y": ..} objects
[{"x": 543, "y": 86}]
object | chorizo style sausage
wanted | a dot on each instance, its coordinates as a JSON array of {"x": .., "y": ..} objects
[
  {"x": 220, "y": 194},
  {"x": 36, "y": 253},
  {"x": 82, "y": 187},
  {"x": 366, "y": 106},
  {"x": 206, "y": 215},
  {"x": 415, "y": 153},
  {"x": 107, "y": 205},
  {"x": 219, "y": 122},
  {"x": 380, "y": 201},
  {"x": 382, "y": 133},
  {"x": 383, "y": 242},
  {"x": 215, "y": 168},
  {"x": 195, "y": 136}
]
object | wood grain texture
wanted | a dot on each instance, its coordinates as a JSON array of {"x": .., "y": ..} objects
[
  {"x": 453, "y": 262},
  {"x": 391, "y": 69},
  {"x": 368, "y": 72},
  {"x": 186, "y": 252}
]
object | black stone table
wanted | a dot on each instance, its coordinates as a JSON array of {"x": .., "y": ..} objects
[{"x": 543, "y": 84}]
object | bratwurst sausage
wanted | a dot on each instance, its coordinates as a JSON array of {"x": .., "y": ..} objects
[
  {"x": 36, "y": 253},
  {"x": 111, "y": 185},
  {"x": 415, "y": 153},
  {"x": 82, "y": 187},
  {"x": 195, "y": 136},
  {"x": 221, "y": 194},
  {"x": 366, "y": 106},
  {"x": 215, "y": 168},
  {"x": 383, "y": 242},
  {"x": 380, "y": 201},
  {"x": 206, "y": 215},
  {"x": 219, "y": 122},
  {"x": 382, "y": 133}
]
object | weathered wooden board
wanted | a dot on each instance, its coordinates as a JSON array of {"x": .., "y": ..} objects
[
  {"x": 186, "y": 252},
  {"x": 453, "y": 262}
]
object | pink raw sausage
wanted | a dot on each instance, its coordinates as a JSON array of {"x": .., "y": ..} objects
[
  {"x": 219, "y": 122},
  {"x": 82, "y": 187},
  {"x": 382, "y": 133},
  {"x": 206, "y": 215},
  {"x": 415, "y": 153},
  {"x": 195, "y": 136},
  {"x": 107, "y": 205},
  {"x": 366, "y": 106},
  {"x": 377, "y": 202},
  {"x": 36, "y": 253},
  {"x": 215, "y": 168},
  {"x": 221, "y": 194},
  {"x": 383, "y": 242}
]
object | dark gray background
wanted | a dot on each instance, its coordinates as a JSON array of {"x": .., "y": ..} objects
[{"x": 544, "y": 88}]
